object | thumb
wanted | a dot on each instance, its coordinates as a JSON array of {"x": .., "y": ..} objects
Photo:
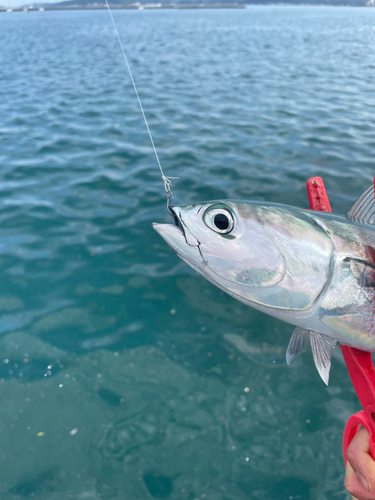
[{"x": 360, "y": 471}]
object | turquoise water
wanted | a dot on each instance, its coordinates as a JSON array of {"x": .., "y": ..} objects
[{"x": 123, "y": 373}]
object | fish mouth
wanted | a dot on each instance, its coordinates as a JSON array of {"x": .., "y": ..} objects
[
  {"x": 180, "y": 239},
  {"x": 177, "y": 221},
  {"x": 180, "y": 225}
]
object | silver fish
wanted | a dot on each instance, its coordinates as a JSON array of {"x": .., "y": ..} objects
[{"x": 313, "y": 270}]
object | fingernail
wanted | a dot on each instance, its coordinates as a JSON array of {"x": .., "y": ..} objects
[{"x": 362, "y": 481}]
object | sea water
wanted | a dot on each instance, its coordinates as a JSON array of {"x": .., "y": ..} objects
[{"x": 123, "y": 374}]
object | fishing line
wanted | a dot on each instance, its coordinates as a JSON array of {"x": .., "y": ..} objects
[{"x": 166, "y": 180}]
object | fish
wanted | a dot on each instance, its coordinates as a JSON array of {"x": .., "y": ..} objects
[{"x": 313, "y": 270}]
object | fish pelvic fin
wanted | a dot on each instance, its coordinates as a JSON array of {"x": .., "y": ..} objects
[
  {"x": 321, "y": 347},
  {"x": 298, "y": 344},
  {"x": 363, "y": 210}
]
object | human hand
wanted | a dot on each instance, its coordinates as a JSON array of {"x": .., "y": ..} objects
[{"x": 360, "y": 468}]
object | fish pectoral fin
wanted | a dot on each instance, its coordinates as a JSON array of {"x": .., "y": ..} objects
[
  {"x": 298, "y": 344},
  {"x": 363, "y": 210},
  {"x": 363, "y": 270},
  {"x": 321, "y": 347}
]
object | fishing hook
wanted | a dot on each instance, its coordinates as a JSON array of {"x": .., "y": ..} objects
[{"x": 168, "y": 191}]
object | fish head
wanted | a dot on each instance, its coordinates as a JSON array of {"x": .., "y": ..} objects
[{"x": 265, "y": 255}]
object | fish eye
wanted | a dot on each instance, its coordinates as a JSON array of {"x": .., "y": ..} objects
[{"x": 219, "y": 220}]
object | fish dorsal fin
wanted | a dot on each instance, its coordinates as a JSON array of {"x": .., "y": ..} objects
[
  {"x": 321, "y": 347},
  {"x": 363, "y": 210},
  {"x": 298, "y": 343}
]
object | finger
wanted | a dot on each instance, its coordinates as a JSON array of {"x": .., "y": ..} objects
[
  {"x": 354, "y": 485},
  {"x": 358, "y": 455},
  {"x": 360, "y": 475}
]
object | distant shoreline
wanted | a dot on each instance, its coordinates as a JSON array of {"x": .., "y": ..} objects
[
  {"x": 123, "y": 7},
  {"x": 170, "y": 7}
]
